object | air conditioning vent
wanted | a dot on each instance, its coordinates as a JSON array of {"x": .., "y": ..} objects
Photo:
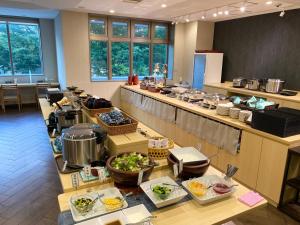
[{"x": 132, "y": 1}]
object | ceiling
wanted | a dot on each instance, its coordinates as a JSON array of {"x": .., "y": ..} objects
[{"x": 179, "y": 10}]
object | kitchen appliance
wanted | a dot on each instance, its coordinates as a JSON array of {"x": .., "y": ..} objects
[
  {"x": 239, "y": 82},
  {"x": 67, "y": 116},
  {"x": 253, "y": 84},
  {"x": 83, "y": 144},
  {"x": 274, "y": 86},
  {"x": 282, "y": 122},
  {"x": 54, "y": 95}
]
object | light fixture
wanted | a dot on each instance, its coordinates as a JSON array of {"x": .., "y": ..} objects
[
  {"x": 220, "y": 12},
  {"x": 173, "y": 22},
  {"x": 163, "y": 5},
  {"x": 243, "y": 9},
  {"x": 112, "y": 11},
  {"x": 203, "y": 17},
  {"x": 282, "y": 13},
  {"x": 226, "y": 12},
  {"x": 215, "y": 15},
  {"x": 269, "y": 2},
  {"x": 187, "y": 20}
]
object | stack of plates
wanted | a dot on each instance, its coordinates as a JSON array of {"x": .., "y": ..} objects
[
  {"x": 234, "y": 113},
  {"x": 223, "y": 109}
]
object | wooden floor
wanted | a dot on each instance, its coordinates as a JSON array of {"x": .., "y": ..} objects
[{"x": 29, "y": 183}]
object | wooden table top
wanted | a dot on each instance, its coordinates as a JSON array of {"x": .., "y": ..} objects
[
  {"x": 212, "y": 114},
  {"x": 189, "y": 212},
  {"x": 228, "y": 86}
]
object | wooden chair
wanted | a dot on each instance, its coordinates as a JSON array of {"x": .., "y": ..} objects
[
  {"x": 10, "y": 94},
  {"x": 41, "y": 91}
]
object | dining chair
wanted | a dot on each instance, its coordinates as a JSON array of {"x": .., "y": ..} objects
[{"x": 10, "y": 93}]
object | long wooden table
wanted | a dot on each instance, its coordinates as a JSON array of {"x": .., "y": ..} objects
[{"x": 189, "y": 212}]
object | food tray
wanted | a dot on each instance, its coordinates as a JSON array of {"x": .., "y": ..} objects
[
  {"x": 99, "y": 209},
  {"x": 143, "y": 87},
  {"x": 160, "y": 153},
  {"x": 211, "y": 195},
  {"x": 154, "y": 89},
  {"x": 121, "y": 129},
  {"x": 94, "y": 112}
]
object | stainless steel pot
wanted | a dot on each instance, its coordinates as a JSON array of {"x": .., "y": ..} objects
[
  {"x": 67, "y": 117},
  {"x": 83, "y": 144},
  {"x": 239, "y": 82},
  {"x": 254, "y": 84},
  {"x": 274, "y": 85}
]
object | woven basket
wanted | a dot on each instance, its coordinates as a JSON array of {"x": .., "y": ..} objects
[
  {"x": 94, "y": 112},
  {"x": 160, "y": 153},
  {"x": 121, "y": 129}
]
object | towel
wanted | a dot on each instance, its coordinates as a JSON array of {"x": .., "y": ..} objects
[{"x": 251, "y": 198}]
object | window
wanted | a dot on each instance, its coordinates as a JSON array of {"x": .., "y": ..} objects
[
  {"x": 20, "y": 49},
  {"x": 120, "y": 29},
  {"x": 160, "y": 32},
  {"x": 98, "y": 55},
  {"x": 160, "y": 54},
  {"x": 141, "y": 52},
  {"x": 121, "y": 46},
  {"x": 141, "y": 30},
  {"x": 97, "y": 27},
  {"x": 120, "y": 60},
  {"x": 5, "y": 65}
]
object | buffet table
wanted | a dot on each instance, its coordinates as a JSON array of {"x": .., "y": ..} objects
[
  {"x": 257, "y": 152},
  {"x": 188, "y": 212}
]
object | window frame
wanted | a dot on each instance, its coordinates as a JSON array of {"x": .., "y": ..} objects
[
  {"x": 23, "y": 21},
  {"x": 131, "y": 39},
  {"x": 98, "y": 36}
]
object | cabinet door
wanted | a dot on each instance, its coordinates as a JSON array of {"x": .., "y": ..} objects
[
  {"x": 247, "y": 160},
  {"x": 210, "y": 151},
  {"x": 271, "y": 169}
]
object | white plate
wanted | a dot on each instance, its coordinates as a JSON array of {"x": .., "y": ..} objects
[
  {"x": 210, "y": 195},
  {"x": 188, "y": 154},
  {"x": 130, "y": 215},
  {"x": 99, "y": 208},
  {"x": 103, "y": 220},
  {"x": 136, "y": 213},
  {"x": 178, "y": 193}
]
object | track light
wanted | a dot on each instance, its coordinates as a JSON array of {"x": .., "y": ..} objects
[{"x": 282, "y": 13}]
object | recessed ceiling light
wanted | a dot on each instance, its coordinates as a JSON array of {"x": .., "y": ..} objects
[
  {"x": 163, "y": 5},
  {"x": 215, "y": 15},
  {"x": 269, "y": 2},
  {"x": 187, "y": 20},
  {"x": 220, "y": 13},
  {"x": 226, "y": 12},
  {"x": 203, "y": 17},
  {"x": 243, "y": 9},
  {"x": 112, "y": 11}
]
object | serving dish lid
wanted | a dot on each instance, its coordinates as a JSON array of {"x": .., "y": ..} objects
[{"x": 188, "y": 154}]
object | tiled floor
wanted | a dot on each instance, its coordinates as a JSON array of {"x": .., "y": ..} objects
[{"x": 29, "y": 184}]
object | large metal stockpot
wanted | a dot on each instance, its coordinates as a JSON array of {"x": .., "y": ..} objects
[
  {"x": 83, "y": 144},
  {"x": 274, "y": 86},
  {"x": 67, "y": 116}
]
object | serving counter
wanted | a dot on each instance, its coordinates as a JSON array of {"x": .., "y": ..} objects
[
  {"x": 257, "y": 150},
  {"x": 188, "y": 212}
]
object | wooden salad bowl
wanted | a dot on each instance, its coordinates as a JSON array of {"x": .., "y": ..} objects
[
  {"x": 189, "y": 170},
  {"x": 125, "y": 178}
]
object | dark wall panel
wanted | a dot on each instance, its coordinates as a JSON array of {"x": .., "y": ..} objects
[{"x": 265, "y": 46}]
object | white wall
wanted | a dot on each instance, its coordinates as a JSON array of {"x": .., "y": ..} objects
[{"x": 188, "y": 38}]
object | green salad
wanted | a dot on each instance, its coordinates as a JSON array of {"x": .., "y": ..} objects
[
  {"x": 131, "y": 162},
  {"x": 84, "y": 205},
  {"x": 162, "y": 192}
]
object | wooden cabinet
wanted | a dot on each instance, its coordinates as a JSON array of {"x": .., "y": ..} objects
[
  {"x": 271, "y": 169},
  {"x": 247, "y": 160},
  {"x": 211, "y": 151}
]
